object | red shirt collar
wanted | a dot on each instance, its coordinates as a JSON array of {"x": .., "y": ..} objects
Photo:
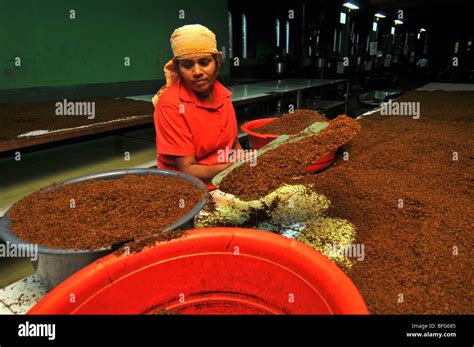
[{"x": 220, "y": 94}]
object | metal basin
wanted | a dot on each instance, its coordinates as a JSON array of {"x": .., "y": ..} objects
[{"x": 55, "y": 265}]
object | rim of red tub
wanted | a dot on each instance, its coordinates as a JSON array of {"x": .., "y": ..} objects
[
  {"x": 318, "y": 272},
  {"x": 260, "y": 140}
]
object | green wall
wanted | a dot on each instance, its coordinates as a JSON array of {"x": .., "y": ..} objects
[{"x": 57, "y": 51}]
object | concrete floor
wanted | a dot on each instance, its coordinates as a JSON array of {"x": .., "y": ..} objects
[{"x": 14, "y": 269}]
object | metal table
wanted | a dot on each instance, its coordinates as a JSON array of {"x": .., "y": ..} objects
[
  {"x": 447, "y": 87},
  {"x": 241, "y": 95},
  {"x": 279, "y": 88},
  {"x": 104, "y": 128},
  {"x": 261, "y": 91}
]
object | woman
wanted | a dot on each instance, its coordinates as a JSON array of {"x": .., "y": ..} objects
[{"x": 194, "y": 116}]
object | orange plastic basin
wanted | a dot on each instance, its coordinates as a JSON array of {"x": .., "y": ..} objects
[
  {"x": 257, "y": 141},
  {"x": 210, "y": 271}
]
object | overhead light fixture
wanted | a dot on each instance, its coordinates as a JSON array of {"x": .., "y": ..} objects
[
  {"x": 350, "y": 6},
  {"x": 397, "y": 21},
  {"x": 422, "y": 30},
  {"x": 380, "y": 15},
  {"x": 342, "y": 18}
]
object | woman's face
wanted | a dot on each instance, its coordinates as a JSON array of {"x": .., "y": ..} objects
[{"x": 199, "y": 74}]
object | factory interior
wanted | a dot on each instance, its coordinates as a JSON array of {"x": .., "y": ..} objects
[{"x": 143, "y": 188}]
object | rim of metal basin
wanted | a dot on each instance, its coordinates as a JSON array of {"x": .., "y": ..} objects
[{"x": 7, "y": 235}]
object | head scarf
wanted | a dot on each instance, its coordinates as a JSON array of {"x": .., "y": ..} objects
[{"x": 188, "y": 41}]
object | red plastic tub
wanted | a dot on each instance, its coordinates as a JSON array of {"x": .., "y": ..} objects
[
  {"x": 211, "y": 187},
  {"x": 210, "y": 271},
  {"x": 257, "y": 141}
]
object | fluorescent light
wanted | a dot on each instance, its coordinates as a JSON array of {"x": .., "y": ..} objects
[
  {"x": 342, "y": 18},
  {"x": 380, "y": 15},
  {"x": 422, "y": 29},
  {"x": 374, "y": 26},
  {"x": 418, "y": 36},
  {"x": 392, "y": 30},
  {"x": 277, "y": 27},
  {"x": 398, "y": 21},
  {"x": 244, "y": 36},
  {"x": 350, "y": 6}
]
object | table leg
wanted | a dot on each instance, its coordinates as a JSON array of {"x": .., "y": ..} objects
[{"x": 347, "y": 97}]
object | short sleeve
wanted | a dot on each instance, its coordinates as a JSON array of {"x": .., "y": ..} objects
[{"x": 173, "y": 136}]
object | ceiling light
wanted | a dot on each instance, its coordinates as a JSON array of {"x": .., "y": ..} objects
[{"x": 350, "y": 6}]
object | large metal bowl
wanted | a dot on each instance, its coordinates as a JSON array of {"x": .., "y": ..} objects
[{"x": 54, "y": 264}]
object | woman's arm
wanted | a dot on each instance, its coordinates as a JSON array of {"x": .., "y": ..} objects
[
  {"x": 204, "y": 172},
  {"x": 189, "y": 165}
]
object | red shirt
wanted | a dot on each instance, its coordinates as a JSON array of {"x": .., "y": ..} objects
[{"x": 187, "y": 126}]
